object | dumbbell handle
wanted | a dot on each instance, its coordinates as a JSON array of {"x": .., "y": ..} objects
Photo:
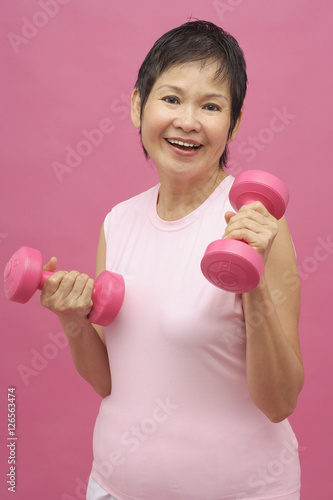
[
  {"x": 44, "y": 277},
  {"x": 98, "y": 289},
  {"x": 24, "y": 274},
  {"x": 44, "y": 274}
]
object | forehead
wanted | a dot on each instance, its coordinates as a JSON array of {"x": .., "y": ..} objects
[{"x": 196, "y": 74}]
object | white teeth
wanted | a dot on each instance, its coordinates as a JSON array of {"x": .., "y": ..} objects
[{"x": 180, "y": 143}]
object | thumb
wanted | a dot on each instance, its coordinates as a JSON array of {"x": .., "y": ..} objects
[
  {"x": 228, "y": 216},
  {"x": 51, "y": 265}
]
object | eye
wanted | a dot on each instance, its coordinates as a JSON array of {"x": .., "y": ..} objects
[
  {"x": 212, "y": 107},
  {"x": 171, "y": 99}
]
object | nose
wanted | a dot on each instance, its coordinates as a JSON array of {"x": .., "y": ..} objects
[{"x": 187, "y": 119}]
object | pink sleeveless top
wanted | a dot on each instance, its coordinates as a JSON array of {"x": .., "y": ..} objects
[{"x": 179, "y": 423}]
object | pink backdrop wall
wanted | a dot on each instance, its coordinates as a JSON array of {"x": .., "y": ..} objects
[{"x": 69, "y": 69}]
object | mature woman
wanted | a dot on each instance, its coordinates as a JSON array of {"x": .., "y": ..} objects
[{"x": 203, "y": 380}]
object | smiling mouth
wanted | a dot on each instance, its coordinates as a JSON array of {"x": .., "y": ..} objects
[{"x": 184, "y": 146}]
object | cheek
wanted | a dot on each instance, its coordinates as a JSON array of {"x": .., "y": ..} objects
[
  {"x": 153, "y": 126},
  {"x": 217, "y": 129},
  {"x": 146, "y": 135},
  {"x": 219, "y": 137}
]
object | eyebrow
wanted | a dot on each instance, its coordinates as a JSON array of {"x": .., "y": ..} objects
[{"x": 178, "y": 89}]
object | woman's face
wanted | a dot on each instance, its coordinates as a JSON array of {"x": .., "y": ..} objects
[{"x": 186, "y": 121}]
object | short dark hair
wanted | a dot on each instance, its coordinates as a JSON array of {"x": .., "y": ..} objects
[{"x": 197, "y": 41}]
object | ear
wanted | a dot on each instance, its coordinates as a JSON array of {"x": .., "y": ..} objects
[
  {"x": 236, "y": 127},
  {"x": 136, "y": 108}
]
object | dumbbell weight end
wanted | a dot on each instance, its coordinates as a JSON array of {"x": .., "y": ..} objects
[
  {"x": 258, "y": 185},
  {"x": 107, "y": 297},
  {"x": 24, "y": 274},
  {"x": 232, "y": 266}
]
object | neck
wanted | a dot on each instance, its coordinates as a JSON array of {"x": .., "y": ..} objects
[{"x": 177, "y": 199}]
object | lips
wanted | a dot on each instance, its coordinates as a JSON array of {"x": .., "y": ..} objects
[{"x": 184, "y": 144}]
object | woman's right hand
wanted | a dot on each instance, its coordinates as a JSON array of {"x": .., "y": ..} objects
[{"x": 68, "y": 295}]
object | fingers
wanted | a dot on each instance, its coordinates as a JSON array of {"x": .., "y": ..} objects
[
  {"x": 51, "y": 265},
  {"x": 68, "y": 293},
  {"x": 78, "y": 290},
  {"x": 253, "y": 217},
  {"x": 228, "y": 216},
  {"x": 254, "y": 225}
]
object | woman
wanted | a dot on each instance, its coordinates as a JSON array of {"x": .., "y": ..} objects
[{"x": 203, "y": 380}]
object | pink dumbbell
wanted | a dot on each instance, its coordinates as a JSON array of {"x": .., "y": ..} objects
[
  {"x": 233, "y": 265},
  {"x": 24, "y": 274}
]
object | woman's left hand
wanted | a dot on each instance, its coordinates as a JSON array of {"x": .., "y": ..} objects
[{"x": 254, "y": 225}]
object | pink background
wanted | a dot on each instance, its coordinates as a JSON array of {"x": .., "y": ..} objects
[{"x": 70, "y": 66}]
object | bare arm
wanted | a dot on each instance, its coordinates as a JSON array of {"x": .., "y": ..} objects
[
  {"x": 69, "y": 296},
  {"x": 274, "y": 364}
]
